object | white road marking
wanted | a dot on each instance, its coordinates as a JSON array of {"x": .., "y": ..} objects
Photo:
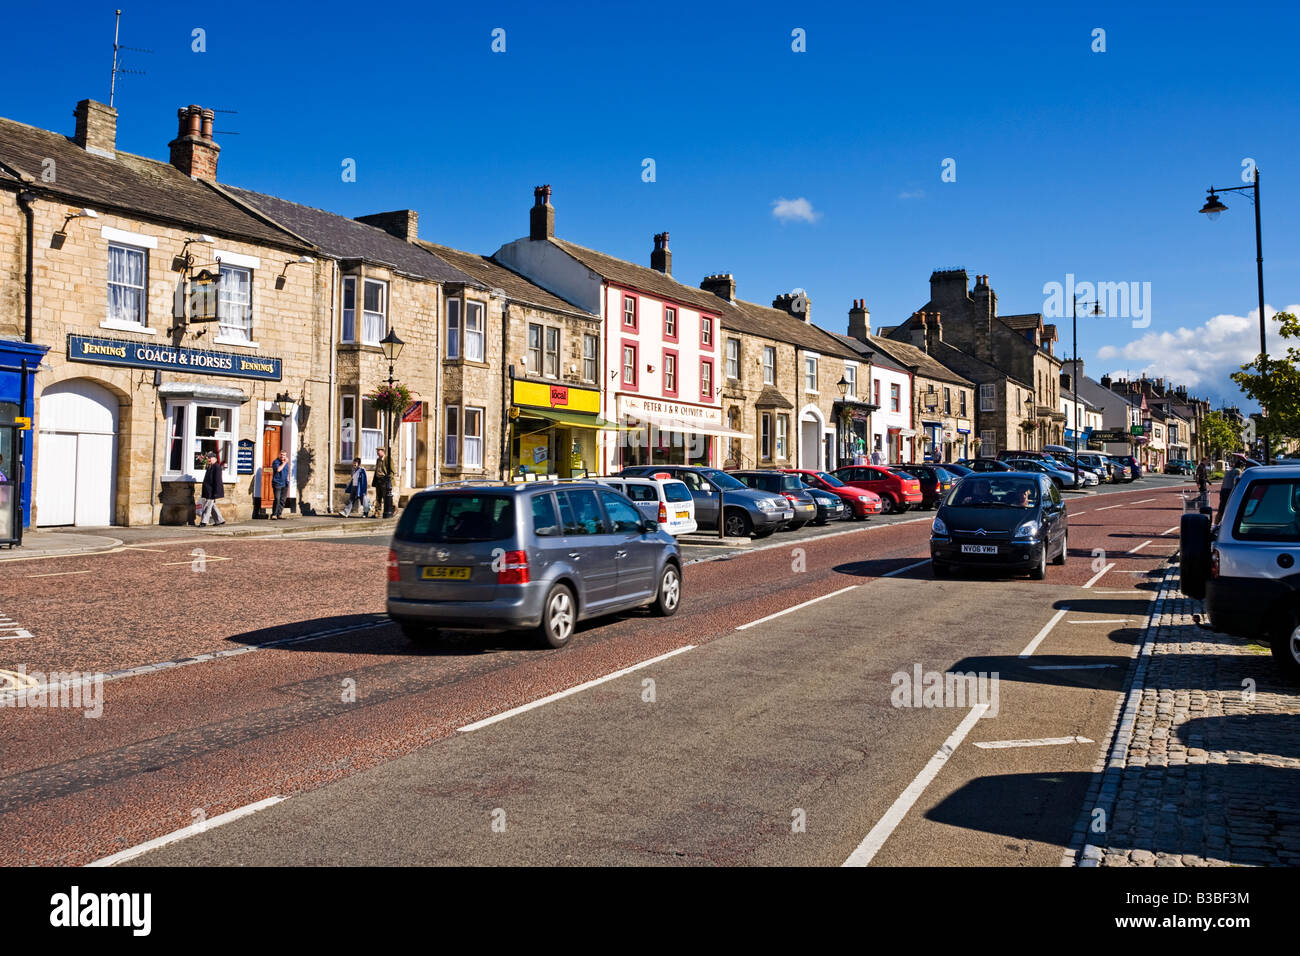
[
  {"x": 136, "y": 547},
  {"x": 882, "y": 831},
  {"x": 189, "y": 831},
  {"x": 1041, "y": 742},
  {"x": 203, "y": 557},
  {"x": 797, "y": 607},
  {"x": 551, "y": 698},
  {"x": 1038, "y": 638},
  {"x": 1069, "y": 667},
  {"x": 1075, "y": 514},
  {"x": 1134, "y": 592},
  {"x": 739, "y": 552},
  {"x": 56, "y": 574},
  {"x": 1111, "y": 507},
  {"x": 890, "y": 574},
  {"x": 1097, "y": 577},
  {"x": 1139, "y": 547},
  {"x": 1143, "y": 501}
]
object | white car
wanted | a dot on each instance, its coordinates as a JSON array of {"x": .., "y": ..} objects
[{"x": 661, "y": 498}]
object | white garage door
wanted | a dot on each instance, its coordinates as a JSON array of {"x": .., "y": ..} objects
[{"x": 76, "y": 457}]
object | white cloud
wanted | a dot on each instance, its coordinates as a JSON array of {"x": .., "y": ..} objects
[
  {"x": 1201, "y": 358},
  {"x": 790, "y": 210},
  {"x": 916, "y": 194}
]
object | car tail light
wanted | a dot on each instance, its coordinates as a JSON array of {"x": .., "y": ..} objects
[
  {"x": 788, "y": 496},
  {"x": 663, "y": 513},
  {"x": 1214, "y": 563},
  {"x": 513, "y": 568},
  {"x": 393, "y": 573}
]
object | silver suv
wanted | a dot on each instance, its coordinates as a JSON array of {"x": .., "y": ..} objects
[
  {"x": 544, "y": 555},
  {"x": 1246, "y": 568}
]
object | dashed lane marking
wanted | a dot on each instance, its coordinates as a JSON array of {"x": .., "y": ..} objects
[
  {"x": 797, "y": 607},
  {"x": 887, "y": 824},
  {"x": 1040, "y": 742},
  {"x": 1097, "y": 577},
  {"x": 58, "y": 574},
  {"x": 1110, "y": 507},
  {"x": 551, "y": 698},
  {"x": 189, "y": 831},
  {"x": 203, "y": 557},
  {"x": 1047, "y": 629},
  {"x": 1135, "y": 550},
  {"x": 1169, "y": 531}
]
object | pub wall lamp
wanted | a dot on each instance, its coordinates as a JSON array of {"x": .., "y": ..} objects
[
  {"x": 185, "y": 261},
  {"x": 301, "y": 260},
  {"x": 61, "y": 234}
]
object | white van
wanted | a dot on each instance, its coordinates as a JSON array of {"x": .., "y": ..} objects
[{"x": 661, "y": 498}]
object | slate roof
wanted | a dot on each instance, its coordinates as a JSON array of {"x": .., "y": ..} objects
[
  {"x": 346, "y": 238},
  {"x": 918, "y": 361},
  {"x": 144, "y": 188},
  {"x": 781, "y": 326},
  {"x": 493, "y": 275},
  {"x": 643, "y": 278},
  {"x": 870, "y": 353},
  {"x": 1026, "y": 320},
  {"x": 771, "y": 397}
]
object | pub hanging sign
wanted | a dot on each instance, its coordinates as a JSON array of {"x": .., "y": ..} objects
[
  {"x": 205, "y": 300},
  {"x": 105, "y": 351}
]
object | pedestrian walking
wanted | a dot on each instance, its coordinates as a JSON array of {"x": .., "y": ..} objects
[
  {"x": 213, "y": 490},
  {"x": 383, "y": 484},
  {"x": 279, "y": 484},
  {"x": 876, "y": 457},
  {"x": 356, "y": 491},
  {"x": 1203, "y": 483}
]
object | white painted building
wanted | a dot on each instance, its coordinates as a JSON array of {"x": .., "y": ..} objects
[{"x": 893, "y": 432}]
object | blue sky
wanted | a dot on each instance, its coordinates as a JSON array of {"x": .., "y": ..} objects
[{"x": 1067, "y": 160}]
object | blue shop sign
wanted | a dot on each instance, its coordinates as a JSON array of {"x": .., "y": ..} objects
[
  {"x": 244, "y": 457},
  {"x": 106, "y": 351}
]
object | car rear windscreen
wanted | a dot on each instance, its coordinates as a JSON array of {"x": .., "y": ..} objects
[
  {"x": 1269, "y": 511},
  {"x": 458, "y": 516},
  {"x": 676, "y": 491}
]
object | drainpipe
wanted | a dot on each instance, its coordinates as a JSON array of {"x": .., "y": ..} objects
[
  {"x": 25, "y": 199},
  {"x": 507, "y": 386},
  {"x": 328, "y": 470},
  {"x": 440, "y": 417}
]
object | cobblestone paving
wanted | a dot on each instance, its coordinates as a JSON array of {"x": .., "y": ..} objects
[{"x": 1205, "y": 767}]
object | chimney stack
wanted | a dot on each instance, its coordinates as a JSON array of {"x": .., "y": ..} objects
[
  {"x": 859, "y": 321},
  {"x": 96, "y": 128},
  {"x": 1106, "y": 381},
  {"x": 402, "y": 223},
  {"x": 933, "y": 332},
  {"x": 661, "y": 260},
  {"x": 541, "y": 218},
  {"x": 796, "y": 303},
  {"x": 192, "y": 151},
  {"x": 721, "y": 284}
]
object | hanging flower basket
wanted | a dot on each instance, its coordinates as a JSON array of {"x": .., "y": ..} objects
[{"x": 395, "y": 398}]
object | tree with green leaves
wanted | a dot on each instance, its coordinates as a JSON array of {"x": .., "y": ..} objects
[
  {"x": 1274, "y": 382},
  {"x": 1219, "y": 436}
]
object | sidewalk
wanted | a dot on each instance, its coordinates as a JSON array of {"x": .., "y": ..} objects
[
  {"x": 49, "y": 543},
  {"x": 1204, "y": 768}
]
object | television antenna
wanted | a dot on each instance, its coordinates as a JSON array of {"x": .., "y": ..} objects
[
  {"x": 117, "y": 29},
  {"x": 226, "y": 132}
]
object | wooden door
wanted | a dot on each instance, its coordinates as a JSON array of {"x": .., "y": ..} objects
[{"x": 270, "y": 451}]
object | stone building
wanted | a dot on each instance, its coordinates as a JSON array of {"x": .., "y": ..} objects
[
  {"x": 943, "y": 401},
  {"x": 1022, "y": 408},
  {"x": 176, "y": 323},
  {"x": 544, "y": 412},
  {"x": 781, "y": 384},
  {"x": 376, "y": 280}
]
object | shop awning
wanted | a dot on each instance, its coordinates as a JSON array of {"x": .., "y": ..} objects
[
  {"x": 667, "y": 423},
  {"x": 572, "y": 419}
]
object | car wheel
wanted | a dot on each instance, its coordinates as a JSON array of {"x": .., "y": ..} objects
[
  {"x": 887, "y": 505},
  {"x": 1040, "y": 570},
  {"x": 1286, "y": 644},
  {"x": 559, "y": 616},
  {"x": 422, "y": 634},
  {"x": 670, "y": 591},
  {"x": 736, "y": 524},
  {"x": 1065, "y": 549},
  {"x": 1193, "y": 554}
]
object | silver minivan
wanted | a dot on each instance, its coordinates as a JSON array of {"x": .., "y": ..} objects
[{"x": 540, "y": 555}]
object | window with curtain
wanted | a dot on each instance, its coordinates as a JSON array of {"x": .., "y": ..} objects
[
  {"x": 552, "y": 366},
  {"x": 451, "y": 437},
  {"x": 670, "y": 373},
  {"x": 374, "y": 321},
  {"x": 347, "y": 427},
  {"x": 769, "y": 364},
  {"x": 733, "y": 359},
  {"x": 473, "y": 438},
  {"x": 765, "y": 436},
  {"x": 126, "y": 284},
  {"x": 810, "y": 373},
  {"x": 851, "y": 376},
  {"x": 372, "y": 432},
  {"x": 194, "y": 429},
  {"x": 453, "y": 328},
  {"x": 590, "y": 364},
  {"x": 534, "y": 348},
  {"x": 706, "y": 380},
  {"x": 236, "y": 303},
  {"x": 349, "y": 311},
  {"x": 474, "y": 332},
  {"x": 782, "y": 434}
]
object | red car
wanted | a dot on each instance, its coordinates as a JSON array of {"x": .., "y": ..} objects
[
  {"x": 860, "y": 501},
  {"x": 898, "y": 493}
]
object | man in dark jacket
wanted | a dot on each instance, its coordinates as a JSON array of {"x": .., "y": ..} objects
[
  {"x": 383, "y": 484},
  {"x": 212, "y": 491},
  {"x": 279, "y": 483}
]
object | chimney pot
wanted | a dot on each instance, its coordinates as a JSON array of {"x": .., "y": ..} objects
[
  {"x": 192, "y": 151},
  {"x": 661, "y": 260}
]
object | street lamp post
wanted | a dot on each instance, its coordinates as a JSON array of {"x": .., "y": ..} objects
[
  {"x": 1212, "y": 208},
  {"x": 1074, "y": 332},
  {"x": 392, "y": 347}
]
